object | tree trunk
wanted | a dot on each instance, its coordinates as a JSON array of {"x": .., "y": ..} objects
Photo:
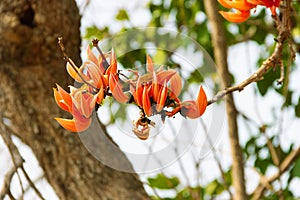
[
  {"x": 30, "y": 64},
  {"x": 220, "y": 54}
]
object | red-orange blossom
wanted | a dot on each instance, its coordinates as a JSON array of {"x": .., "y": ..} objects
[
  {"x": 155, "y": 92},
  {"x": 242, "y": 8}
]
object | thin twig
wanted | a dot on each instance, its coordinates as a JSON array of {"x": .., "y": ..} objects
[
  {"x": 26, "y": 189},
  {"x": 281, "y": 79},
  {"x": 181, "y": 165},
  {"x": 67, "y": 59},
  {"x": 256, "y": 76},
  {"x": 16, "y": 159},
  {"x": 223, "y": 175},
  {"x": 273, "y": 60},
  {"x": 104, "y": 61},
  {"x": 7, "y": 180},
  {"x": 284, "y": 166},
  {"x": 276, "y": 161},
  {"x": 31, "y": 183}
]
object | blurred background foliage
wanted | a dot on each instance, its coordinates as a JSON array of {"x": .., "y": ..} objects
[{"x": 188, "y": 17}]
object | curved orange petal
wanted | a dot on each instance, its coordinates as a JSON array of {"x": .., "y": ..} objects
[
  {"x": 91, "y": 56},
  {"x": 105, "y": 80},
  {"x": 201, "y": 101},
  {"x": 146, "y": 102},
  {"x": 62, "y": 98},
  {"x": 162, "y": 98},
  {"x": 194, "y": 109},
  {"x": 112, "y": 69},
  {"x": 241, "y": 5},
  {"x": 100, "y": 96},
  {"x": 224, "y": 3},
  {"x": 190, "y": 110},
  {"x": 74, "y": 125},
  {"x": 138, "y": 93},
  {"x": 175, "y": 85},
  {"x": 149, "y": 63},
  {"x": 155, "y": 87},
  {"x": 87, "y": 104},
  {"x": 95, "y": 74},
  {"x": 236, "y": 17},
  {"x": 72, "y": 69},
  {"x": 116, "y": 89},
  {"x": 165, "y": 75},
  {"x": 60, "y": 102},
  {"x": 257, "y": 2}
]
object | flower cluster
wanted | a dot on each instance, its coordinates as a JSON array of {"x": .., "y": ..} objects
[
  {"x": 97, "y": 79},
  {"x": 243, "y": 7},
  {"x": 155, "y": 92}
]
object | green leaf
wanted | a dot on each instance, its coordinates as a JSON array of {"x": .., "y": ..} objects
[
  {"x": 160, "y": 57},
  {"x": 267, "y": 81},
  {"x": 122, "y": 15},
  {"x": 297, "y": 108},
  {"x": 228, "y": 176},
  {"x": 94, "y": 31},
  {"x": 163, "y": 182},
  {"x": 296, "y": 169},
  {"x": 121, "y": 113},
  {"x": 214, "y": 188},
  {"x": 195, "y": 77},
  {"x": 262, "y": 164},
  {"x": 189, "y": 193}
]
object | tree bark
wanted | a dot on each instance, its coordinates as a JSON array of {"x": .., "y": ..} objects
[
  {"x": 220, "y": 54},
  {"x": 30, "y": 64}
]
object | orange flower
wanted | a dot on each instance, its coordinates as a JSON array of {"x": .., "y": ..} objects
[
  {"x": 75, "y": 124},
  {"x": 156, "y": 92},
  {"x": 62, "y": 98},
  {"x": 236, "y": 17},
  {"x": 150, "y": 91},
  {"x": 79, "y": 103},
  {"x": 94, "y": 73},
  {"x": 192, "y": 109},
  {"x": 116, "y": 89},
  {"x": 97, "y": 77},
  {"x": 159, "y": 89},
  {"x": 243, "y": 7}
]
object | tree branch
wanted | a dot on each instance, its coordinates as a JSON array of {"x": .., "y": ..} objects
[
  {"x": 283, "y": 28},
  {"x": 16, "y": 159},
  {"x": 18, "y": 163},
  {"x": 284, "y": 166}
]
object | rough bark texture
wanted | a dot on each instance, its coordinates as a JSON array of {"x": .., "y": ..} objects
[
  {"x": 30, "y": 64},
  {"x": 220, "y": 53}
]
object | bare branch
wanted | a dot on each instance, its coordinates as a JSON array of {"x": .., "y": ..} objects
[
  {"x": 256, "y": 76},
  {"x": 27, "y": 188},
  {"x": 223, "y": 175},
  {"x": 284, "y": 166},
  {"x": 31, "y": 183},
  {"x": 7, "y": 180},
  {"x": 283, "y": 28},
  {"x": 281, "y": 79},
  {"x": 16, "y": 159}
]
